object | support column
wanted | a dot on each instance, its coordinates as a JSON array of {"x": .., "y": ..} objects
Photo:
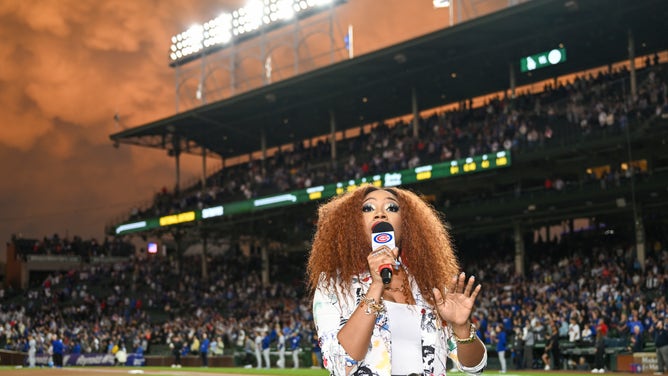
[
  {"x": 459, "y": 11},
  {"x": 637, "y": 217},
  {"x": 201, "y": 87},
  {"x": 571, "y": 226},
  {"x": 332, "y": 40},
  {"x": 178, "y": 238},
  {"x": 513, "y": 80},
  {"x": 414, "y": 106},
  {"x": 632, "y": 66},
  {"x": 295, "y": 47},
  {"x": 332, "y": 133},
  {"x": 640, "y": 240},
  {"x": 177, "y": 185},
  {"x": 264, "y": 254},
  {"x": 205, "y": 270},
  {"x": 266, "y": 59},
  {"x": 176, "y": 152},
  {"x": 203, "y": 169},
  {"x": 177, "y": 86},
  {"x": 519, "y": 249},
  {"x": 263, "y": 147},
  {"x": 233, "y": 69}
]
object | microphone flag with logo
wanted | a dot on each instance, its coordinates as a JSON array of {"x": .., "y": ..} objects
[{"x": 382, "y": 234}]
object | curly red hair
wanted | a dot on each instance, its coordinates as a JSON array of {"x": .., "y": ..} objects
[{"x": 340, "y": 244}]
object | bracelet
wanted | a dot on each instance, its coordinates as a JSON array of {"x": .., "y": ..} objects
[
  {"x": 372, "y": 306},
  {"x": 470, "y": 339}
]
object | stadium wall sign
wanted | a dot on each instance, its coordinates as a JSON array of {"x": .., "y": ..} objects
[{"x": 44, "y": 360}]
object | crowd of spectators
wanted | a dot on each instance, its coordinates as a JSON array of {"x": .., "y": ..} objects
[
  {"x": 144, "y": 301},
  {"x": 582, "y": 291},
  {"x": 145, "y": 304},
  {"x": 149, "y": 304},
  {"x": 56, "y": 245},
  {"x": 589, "y": 106}
]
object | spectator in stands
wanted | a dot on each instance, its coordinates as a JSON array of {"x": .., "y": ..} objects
[
  {"x": 588, "y": 334},
  {"x": 217, "y": 346},
  {"x": 582, "y": 364},
  {"x": 204, "y": 344},
  {"x": 258, "y": 347},
  {"x": 176, "y": 345},
  {"x": 58, "y": 348},
  {"x": 599, "y": 343},
  {"x": 573, "y": 330},
  {"x": 32, "y": 350},
  {"x": 121, "y": 356},
  {"x": 139, "y": 351},
  {"x": 517, "y": 345},
  {"x": 353, "y": 309},
  {"x": 635, "y": 321},
  {"x": 49, "y": 351},
  {"x": 295, "y": 346},
  {"x": 248, "y": 352},
  {"x": 660, "y": 336},
  {"x": 529, "y": 338},
  {"x": 266, "y": 347},
  {"x": 552, "y": 355},
  {"x": 501, "y": 343},
  {"x": 316, "y": 356},
  {"x": 76, "y": 347},
  {"x": 621, "y": 326},
  {"x": 636, "y": 343},
  {"x": 194, "y": 344}
]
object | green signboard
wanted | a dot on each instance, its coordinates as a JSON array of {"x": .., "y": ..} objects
[{"x": 543, "y": 59}]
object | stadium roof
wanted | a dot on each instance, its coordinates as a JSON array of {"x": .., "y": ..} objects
[{"x": 479, "y": 52}]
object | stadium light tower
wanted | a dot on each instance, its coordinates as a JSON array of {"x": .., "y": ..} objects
[
  {"x": 236, "y": 51},
  {"x": 255, "y": 18},
  {"x": 445, "y": 4}
]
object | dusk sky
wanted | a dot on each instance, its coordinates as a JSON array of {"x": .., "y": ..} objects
[{"x": 69, "y": 65}]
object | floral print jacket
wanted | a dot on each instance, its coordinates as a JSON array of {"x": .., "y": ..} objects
[{"x": 331, "y": 310}]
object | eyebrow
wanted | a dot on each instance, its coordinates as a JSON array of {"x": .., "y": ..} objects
[{"x": 386, "y": 198}]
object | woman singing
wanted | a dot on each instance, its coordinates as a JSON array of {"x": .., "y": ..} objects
[{"x": 409, "y": 325}]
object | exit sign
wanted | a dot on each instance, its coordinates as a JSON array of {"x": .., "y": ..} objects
[{"x": 543, "y": 59}]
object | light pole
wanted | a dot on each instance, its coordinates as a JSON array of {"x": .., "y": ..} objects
[{"x": 443, "y": 4}]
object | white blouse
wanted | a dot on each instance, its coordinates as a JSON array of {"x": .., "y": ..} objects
[{"x": 406, "y": 349}]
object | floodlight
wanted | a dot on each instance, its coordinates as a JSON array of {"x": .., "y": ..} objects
[
  {"x": 441, "y": 3},
  {"x": 283, "y": 10},
  {"x": 218, "y": 31},
  {"x": 240, "y": 24},
  {"x": 188, "y": 42},
  {"x": 250, "y": 17}
]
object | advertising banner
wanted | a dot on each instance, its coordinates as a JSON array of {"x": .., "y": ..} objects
[{"x": 69, "y": 360}]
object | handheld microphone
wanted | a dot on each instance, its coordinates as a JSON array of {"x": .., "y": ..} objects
[{"x": 382, "y": 233}]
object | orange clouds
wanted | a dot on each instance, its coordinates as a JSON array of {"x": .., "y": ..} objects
[
  {"x": 67, "y": 68},
  {"x": 69, "y": 65}
]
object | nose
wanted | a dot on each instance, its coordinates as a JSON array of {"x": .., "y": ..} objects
[{"x": 379, "y": 214}]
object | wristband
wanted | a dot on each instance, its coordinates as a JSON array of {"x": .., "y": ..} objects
[
  {"x": 470, "y": 339},
  {"x": 372, "y": 306}
]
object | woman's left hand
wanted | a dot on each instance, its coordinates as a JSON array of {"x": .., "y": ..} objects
[{"x": 456, "y": 304}]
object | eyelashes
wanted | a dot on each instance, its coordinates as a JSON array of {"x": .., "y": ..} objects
[{"x": 391, "y": 207}]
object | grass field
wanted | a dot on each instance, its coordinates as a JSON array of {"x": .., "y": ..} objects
[
  {"x": 158, "y": 371},
  {"x": 198, "y": 371}
]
